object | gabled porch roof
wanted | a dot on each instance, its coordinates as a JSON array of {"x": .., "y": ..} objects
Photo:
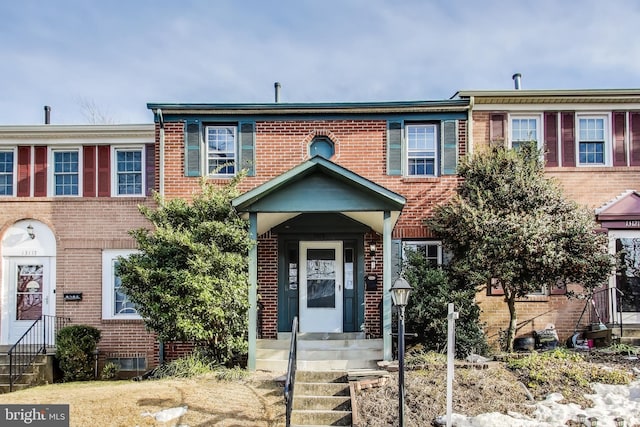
[
  {"x": 320, "y": 186},
  {"x": 625, "y": 207}
]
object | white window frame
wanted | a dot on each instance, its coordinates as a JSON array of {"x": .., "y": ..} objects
[
  {"x": 527, "y": 116},
  {"x": 436, "y": 151},
  {"x": 414, "y": 244},
  {"x": 608, "y": 148},
  {"x": 109, "y": 256},
  {"x": 234, "y": 129},
  {"x": 114, "y": 169},
  {"x": 51, "y": 174},
  {"x": 14, "y": 173}
]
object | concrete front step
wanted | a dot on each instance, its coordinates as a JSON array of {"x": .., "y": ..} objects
[
  {"x": 333, "y": 403},
  {"x": 321, "y": 398},
  {"x": 340, "y": 352},
  {"x": 320, "y": 417}
]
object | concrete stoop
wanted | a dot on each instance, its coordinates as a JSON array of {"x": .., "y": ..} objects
[
  {"x": 40, "y": 372},
  {"x": 321, "y": 399},
  {"x": 320, "y": 352},
  {"x": 630, "y": 334}
]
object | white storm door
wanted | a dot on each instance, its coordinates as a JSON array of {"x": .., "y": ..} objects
[
  {"x": 627, "y": 246},
  {"x": 321, "y": 286},
  {"x": 29, "y": 294}
]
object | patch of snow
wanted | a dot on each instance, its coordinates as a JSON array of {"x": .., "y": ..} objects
[
  {"x": 167, "y": 414},
  {"x": 609, "y": 402}
]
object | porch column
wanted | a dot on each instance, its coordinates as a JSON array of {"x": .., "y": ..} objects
[
  {"x": 387, "y": 229},
  {"x": 253, "y": 291}
]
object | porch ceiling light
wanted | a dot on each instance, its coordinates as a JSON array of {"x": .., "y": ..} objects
[
  {"x": 30, "y": 232},
  {"x": 400, "y": 292}
]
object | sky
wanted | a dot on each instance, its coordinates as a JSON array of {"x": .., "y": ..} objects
[{"x": 103, "y": 61}]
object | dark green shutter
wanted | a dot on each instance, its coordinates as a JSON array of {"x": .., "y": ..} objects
[
  {"x": 247, "y": 147},
  {"x": 192, "y": 148},
  {"x": 396, "y": 259},
  {"x": 449, "y": 147},
  {"x": 394, "y": 148}
]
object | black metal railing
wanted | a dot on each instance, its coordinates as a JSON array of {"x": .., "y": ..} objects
[
  {"x": 605, "y": 306},
  {"x": 291, "y": 369},
  {"x": 40, "y": 335}
]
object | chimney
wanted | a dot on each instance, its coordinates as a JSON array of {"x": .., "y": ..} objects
[
  {"x": 47, "y": 115},
  {"x": 516, "y": 80},
  {"x": 276, "y": 85}
]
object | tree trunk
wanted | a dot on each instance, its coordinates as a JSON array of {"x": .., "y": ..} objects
[{"x": 513, "y": 322}]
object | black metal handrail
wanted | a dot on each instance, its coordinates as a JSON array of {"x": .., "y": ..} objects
[
  {"x": 603, "y": 309},
  {"x": 32, "y": 343},
  {"x": 291, "y": 369}
]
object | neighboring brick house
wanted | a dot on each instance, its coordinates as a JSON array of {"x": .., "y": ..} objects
[
  {"x": 68, "y": 197},
  {"x": 332, "y": 191},
  {"x": 591, "y": 145}
]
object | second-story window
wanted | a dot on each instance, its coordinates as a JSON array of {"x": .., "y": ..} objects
[
  {"x": 6, "y": 172},
  {"x": 221, "y": 150},
  {"x": 422, "y": 152},
  {"x": 592, "y": 141},
  {"x": 66, "y": 172},
  {"x": 129, "y": 172},
  {"x": 524, "y": 129}
]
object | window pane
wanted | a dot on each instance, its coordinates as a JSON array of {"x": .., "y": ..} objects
[
  {"x": 121, "y": 303},
  {"x": 6, "y": 173},
  {"x": 523, "y": 130},
  {"x": 65, "y": 173},
  {"x": 129, "y": 172},
  {"x": 221, "y": 150},
  {"x": 421, "y": 150}
]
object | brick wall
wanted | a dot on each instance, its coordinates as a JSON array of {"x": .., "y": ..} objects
[
  {"x": 534, "y": 313},
  {"x": 588, "y": 186},
  {"x": 360, "y": 146},
  {"x": 79, "y": 227}
]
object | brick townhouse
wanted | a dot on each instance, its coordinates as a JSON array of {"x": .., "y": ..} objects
[
  {"x": 591, "y": 145},
  {"x": 333, "y": 192},
  {"x": 68, "y": 197}
]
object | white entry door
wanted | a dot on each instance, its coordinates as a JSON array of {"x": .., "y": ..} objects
[
  {"x": 321, "y": 286},
  {"x": 28, "y": 295}
]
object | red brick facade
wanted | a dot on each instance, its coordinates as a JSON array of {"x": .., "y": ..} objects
[
  {"x": 590, "y": 186},
  {"x": 360, "y": 146},
  {"x": 83, "y": 227}
]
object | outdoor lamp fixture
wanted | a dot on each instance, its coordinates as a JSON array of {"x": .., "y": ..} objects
[
  {"x": 593, "y": 421},
  {"x": 372, "y": 254},
  {"x": 400, "y": 295},
  {"x": 30, "y": 232},
  {"x": 619, "y": 421},
  {"x": 582, "y": 419}
]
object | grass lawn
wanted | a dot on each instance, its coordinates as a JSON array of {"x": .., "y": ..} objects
[{"x": 255, "y": 401}]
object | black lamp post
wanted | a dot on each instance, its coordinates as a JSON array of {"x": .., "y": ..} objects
[{"x": 400, "y": 296}]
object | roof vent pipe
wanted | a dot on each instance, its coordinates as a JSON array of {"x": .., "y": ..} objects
[
  {"x": 47, "y": 115},
  {"x": 516, "y": 80},
  {"x": 276, "y": 85}
]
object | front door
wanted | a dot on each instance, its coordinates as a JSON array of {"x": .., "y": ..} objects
[
  {"x": 28, "y": 295},
  {"x": 627, "y": 280},
  {"x": 321, "y": 287}
]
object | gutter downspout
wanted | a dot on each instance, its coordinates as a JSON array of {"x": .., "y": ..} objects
[
  {"x": 161, "y": 172},
  {"x": 470, "y": 126}
]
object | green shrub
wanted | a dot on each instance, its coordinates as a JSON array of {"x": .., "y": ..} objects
[
  {"x": 109, "y": 371},
  {"x": 426, "y": 313},
  {"x": 197, "y": 363},
  {"x": 75, "y": 346}
]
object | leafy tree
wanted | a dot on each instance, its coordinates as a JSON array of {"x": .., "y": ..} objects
[
  {"x": 509, "y": 222},
  {"x": 432, "y": 291},
  {"x": 190, "y": 279}
]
